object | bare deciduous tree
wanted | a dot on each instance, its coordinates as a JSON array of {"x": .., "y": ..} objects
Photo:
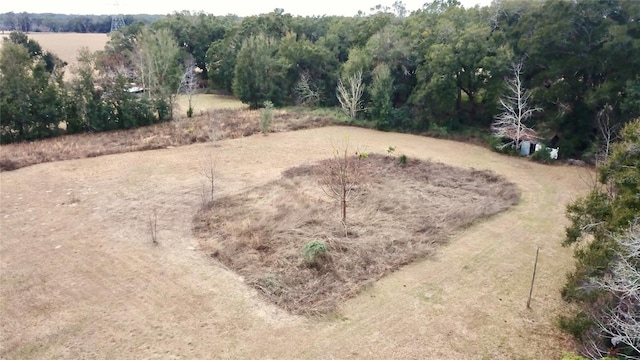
[
  {"x": 350, "y": 95},
  {"x": 189, "y": 82},
  {"x": 208, "y": 169},
  {"x": 343, "y": 175},
  {"x": 608, "y": 133},
  {"x": 516, "y": 110},
  {"x": 306, "y": 91},
  {"x": 620, "y": 320}
]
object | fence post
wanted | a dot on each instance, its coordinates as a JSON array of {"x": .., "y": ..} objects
[{"x": 533, "y": 278}]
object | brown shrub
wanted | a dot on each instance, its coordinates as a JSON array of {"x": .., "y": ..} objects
[{"x": 208, "y": 126}]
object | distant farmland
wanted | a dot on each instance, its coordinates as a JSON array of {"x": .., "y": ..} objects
[{"x": 66, "y": 45}]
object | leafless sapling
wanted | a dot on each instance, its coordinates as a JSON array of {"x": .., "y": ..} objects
[
  {"x": 608, "y": 133},
  {"x": 208, "y": 169},
  {"x": 153, "y": 227},
  {"x": 343, "y": 175}
]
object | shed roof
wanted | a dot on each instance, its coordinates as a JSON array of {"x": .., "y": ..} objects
[{"x": 526, "y": 134}]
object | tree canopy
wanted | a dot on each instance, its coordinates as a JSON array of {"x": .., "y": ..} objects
[
  {"x": 446, "y": 64},
  {"x": 600, "y": 222}
]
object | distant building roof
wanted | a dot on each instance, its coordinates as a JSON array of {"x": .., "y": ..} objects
[{"x": 526, "y": 134}]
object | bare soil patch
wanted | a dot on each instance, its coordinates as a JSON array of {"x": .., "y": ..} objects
[
  {"x": 211, "y": 125},
  {"x": 402, "y": 213}
]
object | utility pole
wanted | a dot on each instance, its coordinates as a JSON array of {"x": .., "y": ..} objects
[{"x": 117, "y": 20}]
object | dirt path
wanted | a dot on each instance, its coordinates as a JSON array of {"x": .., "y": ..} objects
[{"x": 80, "y": 278}]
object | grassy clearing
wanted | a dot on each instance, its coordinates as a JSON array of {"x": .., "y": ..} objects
[
  {"x": 202, "y": 103},
  {"x": 404, "y": 212},
  {"x": 212, "y": 125}
]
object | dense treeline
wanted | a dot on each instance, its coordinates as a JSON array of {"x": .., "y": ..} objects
[
  {"x": 27, "y": 22},
  {"x": 35, "y": 101},
  {"x": 440, "y": 68},
  {"x": 605, "y": 224}
]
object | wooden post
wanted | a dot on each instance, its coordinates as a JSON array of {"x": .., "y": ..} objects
[{"x": 533, "y": 278}]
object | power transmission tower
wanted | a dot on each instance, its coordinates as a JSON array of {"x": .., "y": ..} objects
[{"x": 117, "y": 20}]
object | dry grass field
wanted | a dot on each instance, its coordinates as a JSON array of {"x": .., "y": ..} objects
[
  {"x": 224, "y": 119},
  {"x": 401, "y": 212},
  {"x": 80, "y": 277},
  {"x": 202, "y": 103},
  {"x": 66, "y": 45}
]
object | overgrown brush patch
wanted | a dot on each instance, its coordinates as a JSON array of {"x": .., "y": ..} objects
[
  {"x": 287, "y": 240},
  {"x": 206, "y": 126}
]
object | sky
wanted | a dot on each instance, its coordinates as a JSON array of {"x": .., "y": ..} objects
[{"x": 217, "y": 7}]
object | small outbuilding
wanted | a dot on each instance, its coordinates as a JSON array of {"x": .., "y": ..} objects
[{"x": 529, "y": 141}]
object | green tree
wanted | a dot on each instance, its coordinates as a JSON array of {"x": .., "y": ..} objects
[
  {"x": 631, "y": 103},
  {"x": 275, "y": 25},
  {"x": 381, "y": 108},
  {"x": 260, "y": 73},
  {"x": 31, "y": 101},
  {"x": 84, "y": 112},
  {"x": 158, "y": 65},
  {"x": 339, "y": 38},
  {"x": 15, "y": 88},
  {"x": 118, "y": 54},
  {"x": 581, "y": 55},
  {"x": 392, "y": 46},
  {"x": 194, "y": 32},
  {"x": 221, "y": 62},
  {"x": 597, "y": 221},
  {"x": 463, "y": 64},
  {"x": 313, "y": 71}
]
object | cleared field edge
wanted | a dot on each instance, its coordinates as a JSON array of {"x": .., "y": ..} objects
[{"x": 230, "y": 121}]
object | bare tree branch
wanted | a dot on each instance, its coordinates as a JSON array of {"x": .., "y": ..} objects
[
  {"x": 306, "y": 91},
  {"x": 510, "y": 123},
  {"x": 350, "y": 96},
  {"x": 208, "y": 169},
  {"x": 342, "y": 176},
  {"x": 620, "y": 322},
  {"x": 189, "y": 82},
  {"x": 608, "y": 133}
]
